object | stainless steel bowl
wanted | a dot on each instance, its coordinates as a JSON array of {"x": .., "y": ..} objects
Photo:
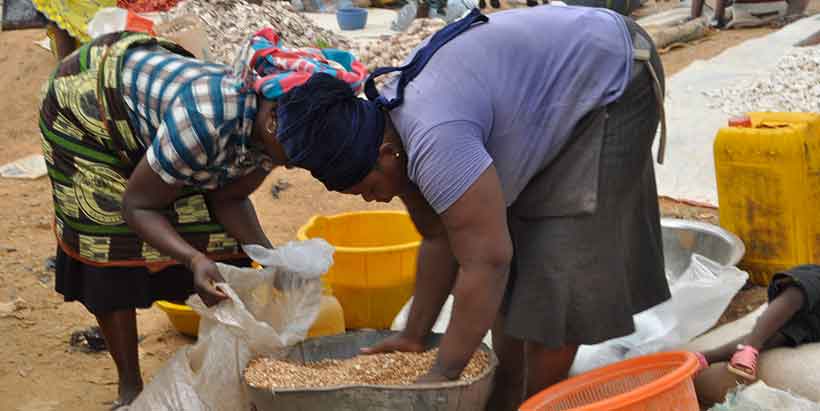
[{"x": 682, "y": 238}]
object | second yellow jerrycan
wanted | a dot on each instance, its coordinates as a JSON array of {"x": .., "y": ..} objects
[
  {"x": 330, "y": 320},
  {"x": 768, "y": 181}
]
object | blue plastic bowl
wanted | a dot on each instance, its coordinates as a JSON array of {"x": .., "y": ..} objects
[{"x": 351, "y": 18}]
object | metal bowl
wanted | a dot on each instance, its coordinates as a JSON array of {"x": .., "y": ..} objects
[
  {"x": 682, "y": 238},
  {"x": 443, "y": 396}
]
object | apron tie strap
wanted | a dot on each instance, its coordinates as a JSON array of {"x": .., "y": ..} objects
[
  {"x": 412, "y": 69},
  {"x": 642, "y": 53}
]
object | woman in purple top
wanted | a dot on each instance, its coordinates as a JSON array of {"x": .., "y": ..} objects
[{"x": 521, "y": 146}]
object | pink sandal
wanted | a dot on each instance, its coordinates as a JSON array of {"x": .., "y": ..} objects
[
  {"x": 702, "y": 363},
  {"x": 744, "y": 363}
]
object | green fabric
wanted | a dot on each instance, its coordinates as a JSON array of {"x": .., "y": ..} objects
[{"x": 91, "y": 149}]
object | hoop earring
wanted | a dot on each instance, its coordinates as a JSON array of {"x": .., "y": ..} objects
[{"x": 270, "y": 127}]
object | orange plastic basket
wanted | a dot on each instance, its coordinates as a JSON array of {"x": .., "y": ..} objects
[{"x": 657, "y": 382}]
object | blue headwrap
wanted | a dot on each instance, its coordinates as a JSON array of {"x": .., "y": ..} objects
[{"x": 327, "y": 130}]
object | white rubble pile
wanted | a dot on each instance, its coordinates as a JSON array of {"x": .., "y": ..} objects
[
  {"x": 794, "y": 85},
  {"x": 230, "y": 22}
]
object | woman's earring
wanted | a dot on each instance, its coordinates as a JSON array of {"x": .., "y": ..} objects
[{"x": 398, "y": 155}]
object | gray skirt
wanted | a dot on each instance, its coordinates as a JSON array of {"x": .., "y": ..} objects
[{"x": 586, "y": 231}]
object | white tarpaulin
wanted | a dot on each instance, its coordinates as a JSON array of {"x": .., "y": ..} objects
[{"x": 689, "y": 170}]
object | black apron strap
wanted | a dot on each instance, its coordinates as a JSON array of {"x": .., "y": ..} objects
[{"x": 412, "y": 69}]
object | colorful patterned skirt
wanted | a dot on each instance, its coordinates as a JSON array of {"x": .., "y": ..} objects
[{"x": 91, "y": 150}]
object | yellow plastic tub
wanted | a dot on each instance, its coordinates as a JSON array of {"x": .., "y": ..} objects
[
  {"x": 374, "y": 268},
  {"x": 768, "y": 181},
  {"x": 329, "y": 321},
  {"x": 182, "y": 317}
]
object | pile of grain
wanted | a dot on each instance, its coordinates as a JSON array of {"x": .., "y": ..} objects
[
  {"x": 230, "y": 22},
  {"x": 377, "y": 369},
  {"x": 793, "y": 85}
]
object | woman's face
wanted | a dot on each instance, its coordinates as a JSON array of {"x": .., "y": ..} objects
[{"x": 388, "y": 178}]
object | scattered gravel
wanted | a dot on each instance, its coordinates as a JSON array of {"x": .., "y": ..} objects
[{"x": 794, "y": 85}]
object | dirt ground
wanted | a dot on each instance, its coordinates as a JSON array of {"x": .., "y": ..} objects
[{"x": 39, "y": 371}]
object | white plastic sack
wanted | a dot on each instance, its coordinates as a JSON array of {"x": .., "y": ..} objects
[
  {"x": 441, "y": 322},
  {"x": 761, "y": 397},
  {"x": 267, "y": 310},
  {"x": 30, "y": 167},
  {"x": 699, "y": 297}
]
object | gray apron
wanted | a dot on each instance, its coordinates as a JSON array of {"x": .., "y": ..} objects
[{"x": 586, "y": 229}]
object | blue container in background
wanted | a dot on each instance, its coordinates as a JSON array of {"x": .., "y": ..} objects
[{"x": 351, "y": 18}]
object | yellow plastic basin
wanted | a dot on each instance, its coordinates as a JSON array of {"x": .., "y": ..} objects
[
  {"x": 374, "y": 268},
  {"x": 329, "y": 321},
  {"x": 182, "y": 317}
]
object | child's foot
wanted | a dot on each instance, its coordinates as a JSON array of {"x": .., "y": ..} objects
[
  {"x": 702, "y": 363},
  {"x": 744, "y": 363}
]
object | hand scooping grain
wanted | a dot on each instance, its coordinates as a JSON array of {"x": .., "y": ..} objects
[{"x": 396, "y": 368}]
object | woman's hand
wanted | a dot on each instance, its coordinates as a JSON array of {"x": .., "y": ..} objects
[
  {"x": 205, "y": 275},
  {"x": 398, "y": 342}
]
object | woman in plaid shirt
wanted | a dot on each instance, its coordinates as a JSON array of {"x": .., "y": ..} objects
[{"x": 152, "y": 155}]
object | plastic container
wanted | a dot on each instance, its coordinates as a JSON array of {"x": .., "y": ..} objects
[
  {"x": 351, "y": 18},
  {"x": 182, "y": 317},
  {"x": 768, "y": 181},
  {"x": 374, "y": 269},
  {"x": 653, "y": 382},
  {"x": 329, "y": 321}
]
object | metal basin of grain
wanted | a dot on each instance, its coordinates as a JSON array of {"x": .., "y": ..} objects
[{"x": 449, "y": 396}]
